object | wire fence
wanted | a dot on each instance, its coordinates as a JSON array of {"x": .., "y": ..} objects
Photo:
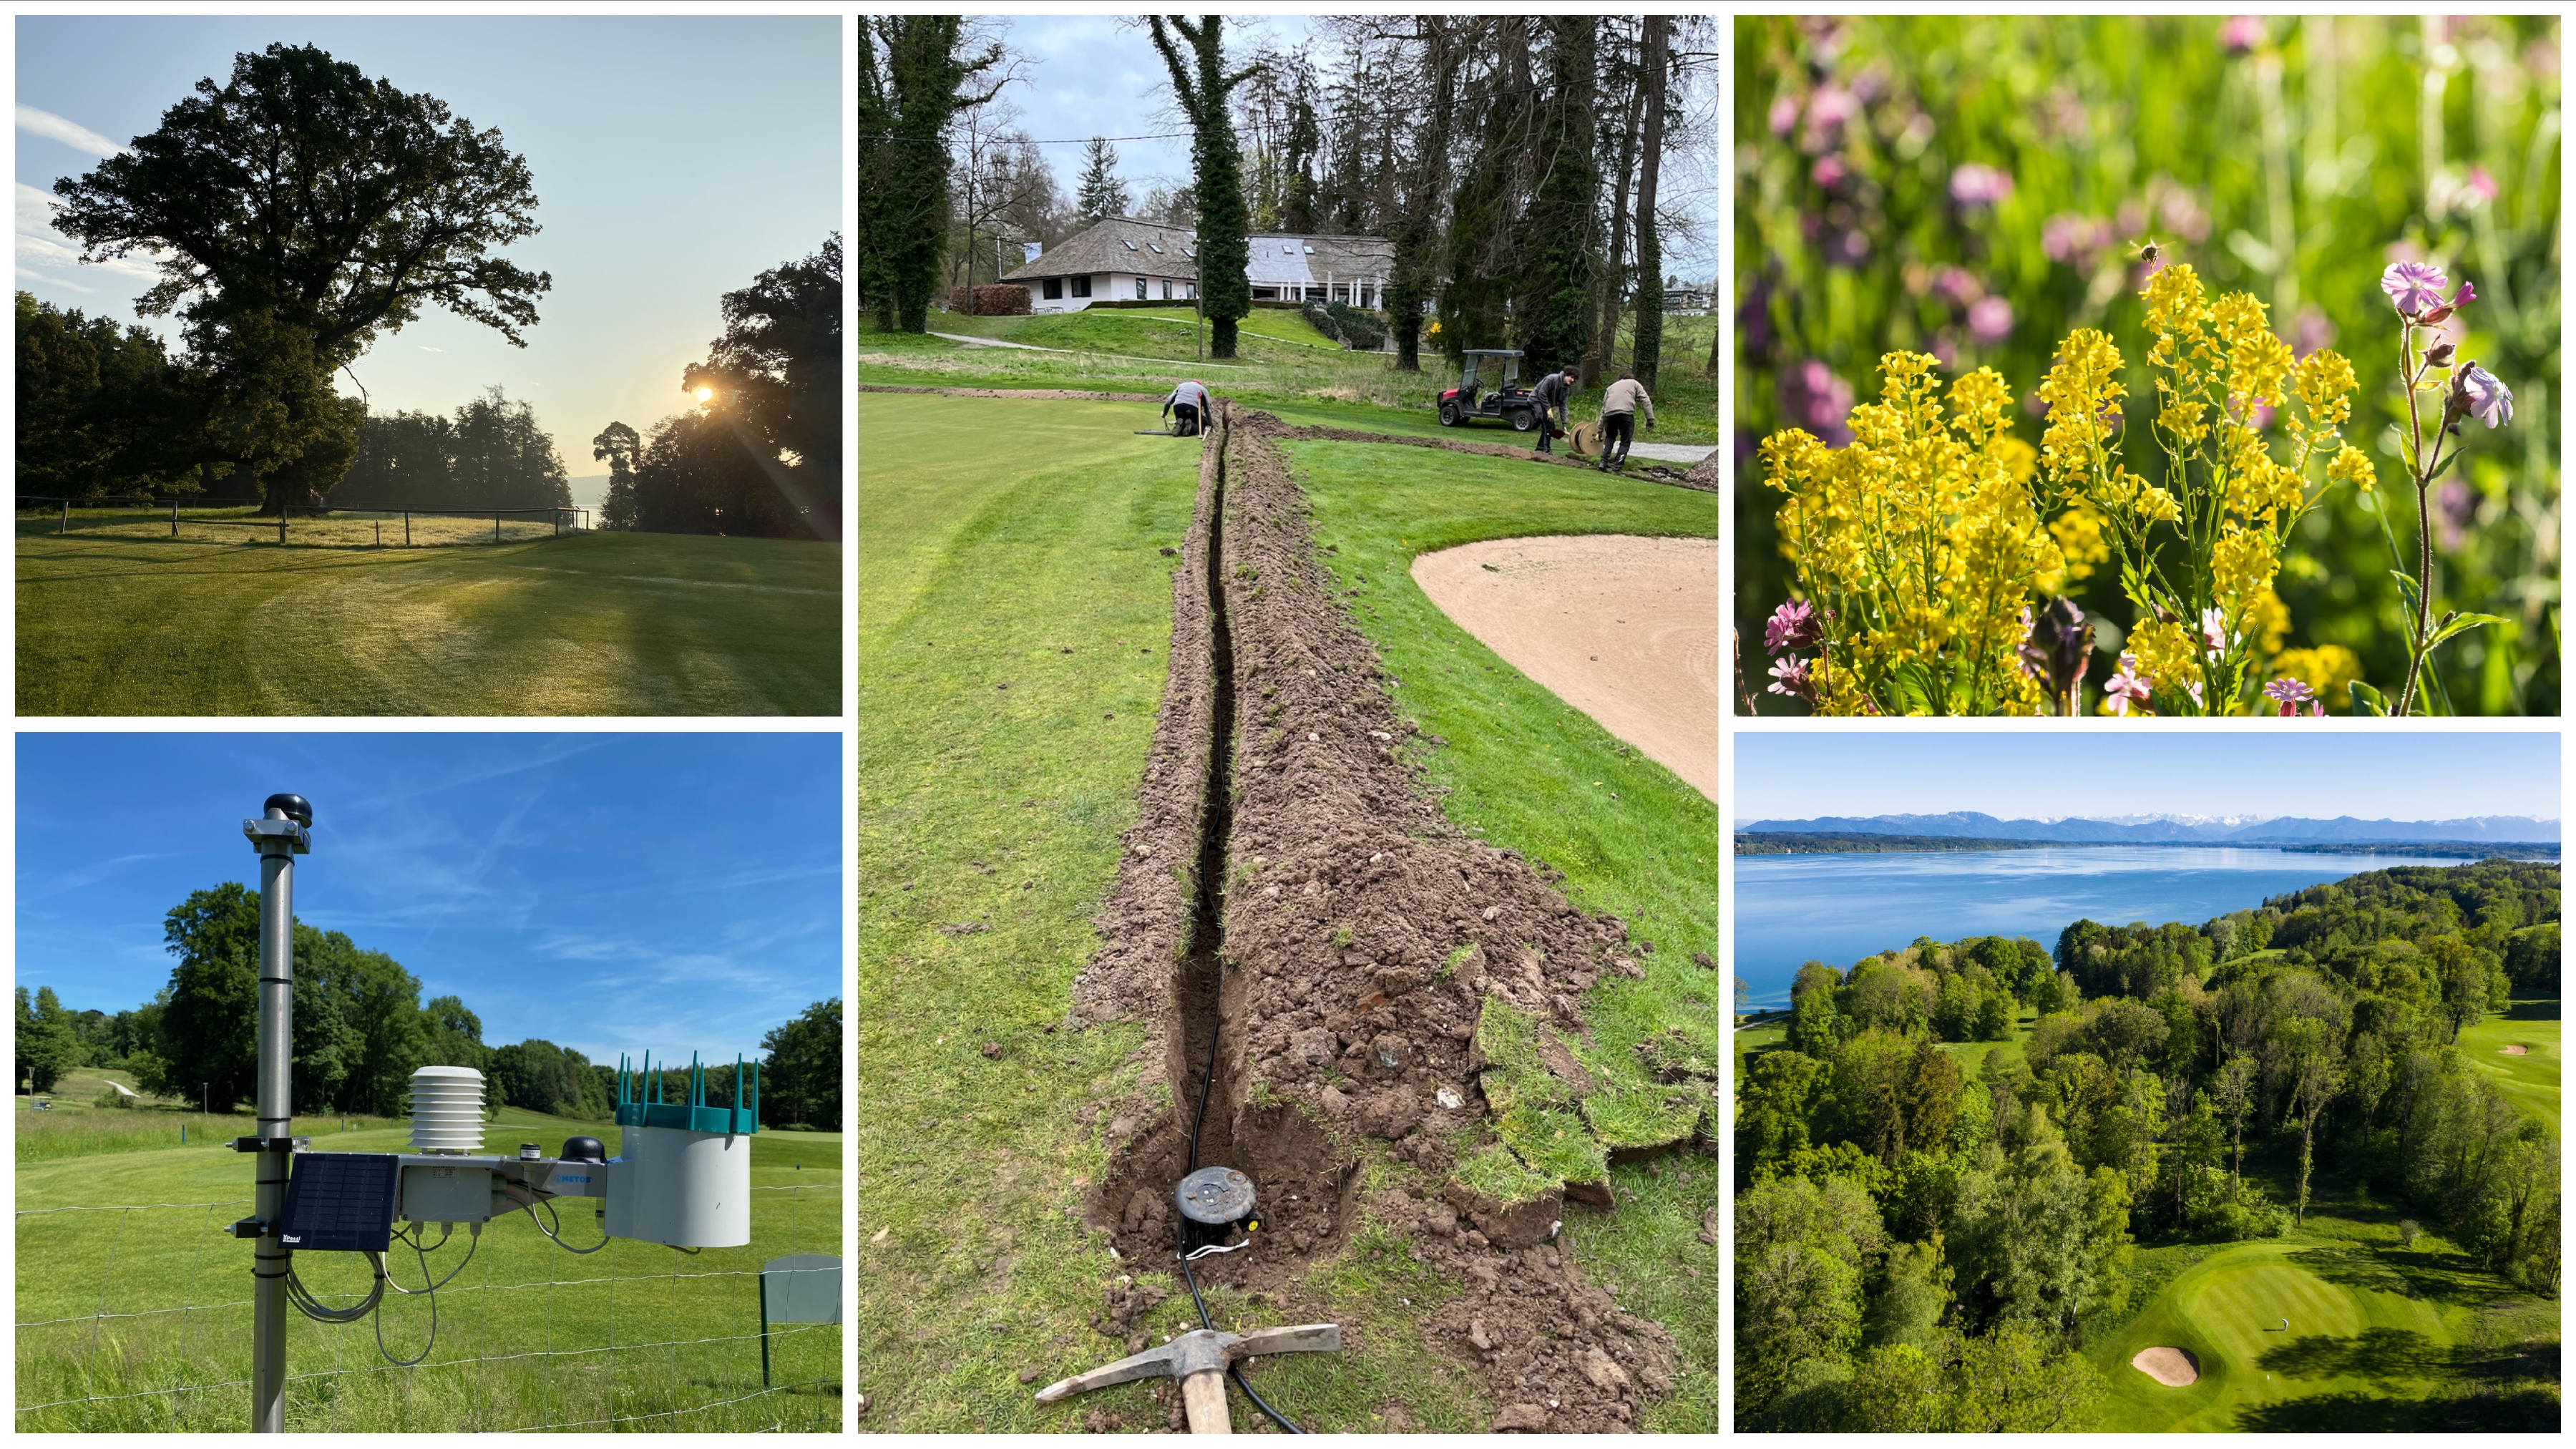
[
  {"x": 232, "y": 521},
  {"x": 532, "y": 1340}
]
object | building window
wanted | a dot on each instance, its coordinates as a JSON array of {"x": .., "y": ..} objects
[
  {"x": 1167, "y": 291},
  {"x": 1342, "y": 295},
  {"x": 1055, "y": 289},
  {"x": 1082, "y": 286},
  {"x": 1190, "y": 290},
  {"x": 1265, "y": 294},
  {"x": 1140, "y": 290}
]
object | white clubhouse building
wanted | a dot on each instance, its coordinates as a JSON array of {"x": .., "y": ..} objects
[{"x": 1122, "y": 259}]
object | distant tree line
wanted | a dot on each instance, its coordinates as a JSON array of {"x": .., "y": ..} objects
[
  {"x": 761, "y": 455},
  {"x": 360, "y": 1031},
  {"x": 1923, "y": 1248},
  {"x": 490, "y": 453}
]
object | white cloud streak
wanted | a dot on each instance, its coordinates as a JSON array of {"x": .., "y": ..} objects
[{"x": 71, "y": 133}]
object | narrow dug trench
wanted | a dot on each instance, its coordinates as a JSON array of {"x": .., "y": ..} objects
[
  {"x": 1293, "y": 893},
  {"x": 1304, "y": 1181}
]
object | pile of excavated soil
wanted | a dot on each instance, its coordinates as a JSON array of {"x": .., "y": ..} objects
[
  {"x": 2172, "y": 1367},
  {"x": 1628, "y": 630},
  {"x": 1637, "y": 467},
  {"x": 1361, "y": 931},
  {"x": 2515, "y": 1049},
  {"x": 1042, "y": 394}
]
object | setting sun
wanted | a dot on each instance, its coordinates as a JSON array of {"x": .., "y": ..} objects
[{"x": 706, "y": 394}]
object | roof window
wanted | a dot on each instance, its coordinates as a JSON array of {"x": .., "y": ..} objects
[{"x": 1124, "y": 242}]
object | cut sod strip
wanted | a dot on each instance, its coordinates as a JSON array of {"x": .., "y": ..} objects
[{"x": 1628, "y": 630}]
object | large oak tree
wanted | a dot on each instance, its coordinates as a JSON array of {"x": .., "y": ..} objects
[{"x": 297, "y": 212}]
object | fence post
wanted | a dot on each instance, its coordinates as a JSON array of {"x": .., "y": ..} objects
[
  {"x": 764, "y": 1328},
  {"x": 67, "y": 518},
  {"x": 496, "y": 525},
  {"x": 406, "y": 528},
  {"x": 174, "y": 518},
  {"x": 281, "y": 526}
]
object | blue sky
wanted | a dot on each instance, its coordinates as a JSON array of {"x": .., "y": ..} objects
[
  {"x": 2024, "y": 775},
  {"x": 675, "y": 157},
  {"x": 678, "y": 892}
]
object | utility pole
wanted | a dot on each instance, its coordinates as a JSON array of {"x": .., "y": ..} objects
[{"x": 282, "y": 833}]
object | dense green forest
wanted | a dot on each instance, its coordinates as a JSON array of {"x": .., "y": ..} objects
[
  {"x": 360, "y": 1029},
  {"x": 1924, "y": 1247}
]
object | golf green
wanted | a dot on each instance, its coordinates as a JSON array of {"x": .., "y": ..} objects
[
  {"x": 2530, "y": 1076},
  {"x": 593, "y": 624},
  {"x": 2353, "y": 1329}
]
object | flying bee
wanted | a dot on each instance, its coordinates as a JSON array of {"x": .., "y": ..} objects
[{"x": 2146, "y": 251}]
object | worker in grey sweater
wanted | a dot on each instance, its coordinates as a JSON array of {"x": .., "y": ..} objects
[
  {"x": 1552, "y": 392},
  {"x": 1619, "y": 408},
  {"x": 1190, "y": 401}
]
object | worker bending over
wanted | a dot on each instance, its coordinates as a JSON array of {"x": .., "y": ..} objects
[
  {"x": 1619, "y": 408},
  {"x": 1552, "y": 392},
  {"x": 1187, "y": 407}
]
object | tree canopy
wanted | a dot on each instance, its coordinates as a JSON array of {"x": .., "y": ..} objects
[
  {"x": 1986, "y": 1217},
  {"x": 296, "y": 212}
]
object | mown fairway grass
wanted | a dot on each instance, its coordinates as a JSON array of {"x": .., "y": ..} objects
[
  {"x": 2381, "y": 1336},
  {"x": 75, "y": 1265},
  {"x": 1280, "y": 368},
  {"x": 2530, "y": 1079},
  {"x": 589, "y": 624},
  {"x": 1531, "y": 773}
]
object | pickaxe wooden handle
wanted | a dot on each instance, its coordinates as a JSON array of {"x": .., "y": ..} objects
[{"x": 1199, "y": 1360}]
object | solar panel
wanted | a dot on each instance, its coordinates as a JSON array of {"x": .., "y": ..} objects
[{"x": 340, "y": 1202}]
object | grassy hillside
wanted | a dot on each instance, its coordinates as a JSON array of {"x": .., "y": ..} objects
[
  {"x": 590, "y": 624},
  {"x": 524, "y": 1334},
  {"x": 1285, "y": 366}
]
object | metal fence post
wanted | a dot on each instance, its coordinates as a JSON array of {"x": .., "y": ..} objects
[
  {"x": 496, "y": 525},
  {"x": 174, "y": 518},
  {"x": 67, "y": 518},
  {"x": 279, "y": 836},
  {"x": 406, "y": 528}
]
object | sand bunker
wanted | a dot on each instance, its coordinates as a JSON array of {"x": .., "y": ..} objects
[
  {"x": 2515, "y": 1049},
  {"x": 1629, "y": 630},
  {"x": 2171, "y": 1367}
]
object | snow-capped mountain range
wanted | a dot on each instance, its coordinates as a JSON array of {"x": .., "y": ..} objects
[{"x": 2180, "y": 829}]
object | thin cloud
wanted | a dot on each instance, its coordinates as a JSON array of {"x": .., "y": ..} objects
[
  {"x": 42, "y": 249},
  {"x": 71, "y": 133}
]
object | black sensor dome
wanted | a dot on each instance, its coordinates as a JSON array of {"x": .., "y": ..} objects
[{"x": 293, "y": 807}]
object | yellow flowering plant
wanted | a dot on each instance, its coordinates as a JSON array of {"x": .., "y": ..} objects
[
  {"x": 1918, "y": 548},
  {"x": 2197, "y": 553},
  {"x": 1927, "y": 552}
]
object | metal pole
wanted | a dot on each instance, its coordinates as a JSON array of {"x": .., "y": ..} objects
[
  {"x": 67, "y": 517},
  {"x": 280, "y": 835},
  {"x": 764, "y": 1328},
  {"x": 174, "y": 518}
]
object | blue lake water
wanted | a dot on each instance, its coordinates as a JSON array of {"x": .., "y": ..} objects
[{"x": 1792, "y": 909}]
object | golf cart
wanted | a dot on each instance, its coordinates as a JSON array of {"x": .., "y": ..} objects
[{"x": 1508, "y": 402}]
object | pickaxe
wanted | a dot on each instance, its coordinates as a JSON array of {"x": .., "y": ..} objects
[{"x": 1199, "y": 1360}]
